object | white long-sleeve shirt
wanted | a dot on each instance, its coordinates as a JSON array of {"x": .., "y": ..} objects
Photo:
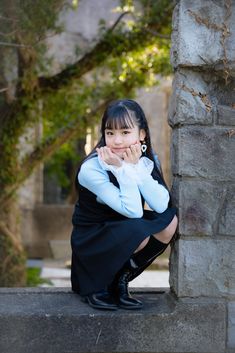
[{"x": 134, "y": 180}]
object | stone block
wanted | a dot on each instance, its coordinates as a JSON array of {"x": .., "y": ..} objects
[
  {"x": 205, "y": 152},
  {"x": 231, "y": 325},
  {"x": 198, "y": 24},
  {"x": 190, "y": 102},
  {"x": 227, "y": 216},
  {"x": 201, "y": 207},
  {"x": 226, "y": 115},
  {"x": 58, "y": 322},
  {"x": 206, "y": 267}
]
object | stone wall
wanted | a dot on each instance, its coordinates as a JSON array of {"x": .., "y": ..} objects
[{"x": 202, "y": 116}]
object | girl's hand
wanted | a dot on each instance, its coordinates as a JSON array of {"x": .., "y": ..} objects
[
  {"x": 132, "y": 154},
  {"x": 108, "y": 156}
]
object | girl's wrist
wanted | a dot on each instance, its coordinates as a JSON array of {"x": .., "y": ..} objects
[
  {"x": 118, "y": 164},
  {"x": 141, "y": 171},
  {"x": 106, "y": 166}
]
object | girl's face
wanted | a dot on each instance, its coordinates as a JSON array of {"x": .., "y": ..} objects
[{"x": 118, "y": 140}]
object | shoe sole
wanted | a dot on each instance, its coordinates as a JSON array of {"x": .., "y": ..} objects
[
  {"x": 86, "y": 300},
  {"x": 130, "y": 307}
]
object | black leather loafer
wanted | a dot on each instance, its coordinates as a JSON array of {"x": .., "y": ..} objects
[
  {"x": 129, "y": 303},
  {"x": 101, "y": 300}
]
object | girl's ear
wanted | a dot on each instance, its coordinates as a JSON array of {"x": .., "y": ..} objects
[{"x": 142, "y": 134}]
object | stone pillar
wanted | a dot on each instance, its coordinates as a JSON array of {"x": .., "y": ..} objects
[{"x": 202, "y": 116}]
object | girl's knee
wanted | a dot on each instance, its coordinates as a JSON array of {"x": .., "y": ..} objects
[
  {"x": 173, "y": 224},
  {"x": 171, "y": 228},
  {"x": 166, "y": 235}
]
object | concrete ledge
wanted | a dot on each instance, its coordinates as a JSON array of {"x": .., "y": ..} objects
[{"x": 56, "y": 321}]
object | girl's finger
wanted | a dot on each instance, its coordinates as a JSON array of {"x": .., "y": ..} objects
[
  {"x": 109, "y": 152},
  {"x": 124, "y": 156},
  {"x": 138, "y": 147},
  {"x": 128, "y": 152},
  {"x": 134, "y": 147},
  {"x": 135, "y": 152}
]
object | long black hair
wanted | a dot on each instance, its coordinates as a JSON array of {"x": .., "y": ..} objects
[{"x": 122, "y": 114}]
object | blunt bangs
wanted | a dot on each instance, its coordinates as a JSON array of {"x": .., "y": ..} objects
[{"x": 120, "y": 117}]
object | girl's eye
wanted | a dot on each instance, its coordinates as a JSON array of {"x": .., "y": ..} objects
[
  {"x": 109, "y": 133},
  {"x": 126, "y": 132}
]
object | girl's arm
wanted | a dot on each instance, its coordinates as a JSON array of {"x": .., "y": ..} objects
[
  {"x": 126, "y": 200},
  {"x": 155, "y": 194}
]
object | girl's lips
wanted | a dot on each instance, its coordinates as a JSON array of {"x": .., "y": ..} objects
[{"x": 118, "y": 149}]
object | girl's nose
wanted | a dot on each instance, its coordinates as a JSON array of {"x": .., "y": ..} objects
[{"x": 117, "y": 139}]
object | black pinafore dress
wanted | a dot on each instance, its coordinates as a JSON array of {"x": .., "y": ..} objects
[{"x": 103, "y": 240}]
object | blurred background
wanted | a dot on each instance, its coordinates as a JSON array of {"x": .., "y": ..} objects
[{"x": 61, "y": 63}]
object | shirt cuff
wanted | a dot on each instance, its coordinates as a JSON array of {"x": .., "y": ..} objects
[
  {"x": 139, "y": 171},
  {"x": 118, "y": 172},
  {"x": 136, "y": 172}
]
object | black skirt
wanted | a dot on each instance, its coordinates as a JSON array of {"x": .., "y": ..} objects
[{"x": 101, "y": 243}]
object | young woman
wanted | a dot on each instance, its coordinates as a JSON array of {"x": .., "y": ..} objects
[{"x": 114, "y": 238}]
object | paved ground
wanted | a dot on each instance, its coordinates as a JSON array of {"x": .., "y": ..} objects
[{"x": 59, "y": 276}]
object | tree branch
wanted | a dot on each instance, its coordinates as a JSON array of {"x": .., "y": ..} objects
[
  {"x": 111, "y": 44},
  {"x": 95, "y": 57},
  {"x": 118, "y": 20},
  {"x": 152, "y": 31},
  {"x": 6, "y": 44},
  {"x": 157, "y": 34}
]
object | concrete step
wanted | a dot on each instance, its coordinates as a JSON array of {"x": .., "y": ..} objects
[{"x": 55, "y": 320}]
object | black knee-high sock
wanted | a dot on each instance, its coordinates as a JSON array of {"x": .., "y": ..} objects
[
  {"x": 143, "y": 258},
  {"x": 139, "y": 261},
  {"x": 153, "y": 249}
]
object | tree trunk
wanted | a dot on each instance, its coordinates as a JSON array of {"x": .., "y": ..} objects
[{"x": 12, "y": 255}]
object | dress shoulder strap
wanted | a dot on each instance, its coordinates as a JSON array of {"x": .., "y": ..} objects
[{"x": 157, "y": 161}]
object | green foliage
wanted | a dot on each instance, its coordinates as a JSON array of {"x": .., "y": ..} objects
[
  {"x": 121, "y": 71},
  {"x": 37, "y": 19},
  {"x": 158, "y": 12},
  {"x": 34, "y": 279},
  {"x": 65, "y": 157}
]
